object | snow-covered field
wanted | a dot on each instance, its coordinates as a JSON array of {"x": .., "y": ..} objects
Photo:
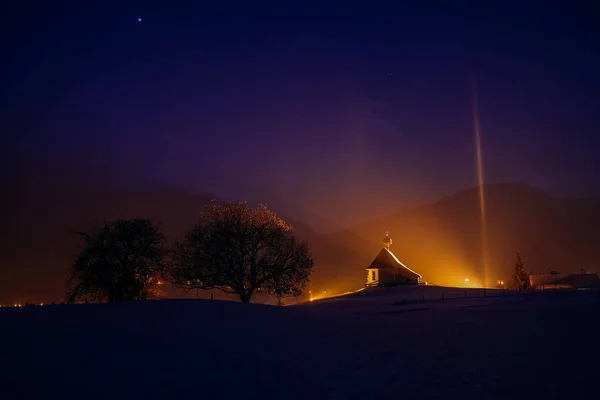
[{"x": 379, "y": 343}]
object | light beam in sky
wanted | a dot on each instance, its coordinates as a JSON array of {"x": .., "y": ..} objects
[{"x": 477, "y": 130}]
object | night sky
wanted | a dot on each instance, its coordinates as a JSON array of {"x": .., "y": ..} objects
[{"x": 347, "y": 112}]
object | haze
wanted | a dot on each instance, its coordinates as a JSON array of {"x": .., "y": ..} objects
[{"x": 334, "y": 117}]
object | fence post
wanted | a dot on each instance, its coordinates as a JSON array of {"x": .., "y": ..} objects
[
  {"x": 465, "y": 294},
  {"x": 484, "y": 293},
  {"x": 211, "y": 296},
  {"x": 442, "y": 295},
  {"x": 423, "y": 297}
]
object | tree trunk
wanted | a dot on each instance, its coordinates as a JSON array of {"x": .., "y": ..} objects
[
  {"x": 245, "y": 296},
  {"x": 114, "y": 293}
]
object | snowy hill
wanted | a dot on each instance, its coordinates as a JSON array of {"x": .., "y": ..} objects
[
  {"x": 367, "y": 345},
  {"x": 404, "y": 295}
]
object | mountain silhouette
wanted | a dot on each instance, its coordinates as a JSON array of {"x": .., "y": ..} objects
[{"x": 442, "y": 241}]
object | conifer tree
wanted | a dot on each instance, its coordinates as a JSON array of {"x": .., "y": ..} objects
[{"x": 520, "y": 280}]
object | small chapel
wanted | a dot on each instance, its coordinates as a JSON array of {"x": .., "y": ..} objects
[{"x": 387, "y": 270}]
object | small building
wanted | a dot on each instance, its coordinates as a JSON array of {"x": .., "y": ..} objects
[
  {"x": 572, "y": 282},
  {"x": 387, "y": 270},
  {"x": 542, "y": 279}
]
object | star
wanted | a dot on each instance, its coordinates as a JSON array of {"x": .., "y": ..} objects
[{"x": 139, "y": 19}]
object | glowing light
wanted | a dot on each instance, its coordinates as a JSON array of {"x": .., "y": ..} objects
[
  {"x": 325, "y": 296},
  {"x": 477, "y": 129},
  {"x": 139, "y": 19},
  {"x": 466, "y": 280}
]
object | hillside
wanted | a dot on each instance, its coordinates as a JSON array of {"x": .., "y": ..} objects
[
  {"x": 48, "y": 198},
  {"x": 442, "y": 241},
  {"x": 38, "y": 243},
  {"x": 40, "y": 215}
]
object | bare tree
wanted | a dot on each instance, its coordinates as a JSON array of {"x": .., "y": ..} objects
[
  {"x": 121, "y": 261},
  {"x": 238, "y": 249}
]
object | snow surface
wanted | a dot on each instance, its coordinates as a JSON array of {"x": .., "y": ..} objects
[{"x": 379, "y": 343}]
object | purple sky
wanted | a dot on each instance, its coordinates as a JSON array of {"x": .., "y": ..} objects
[{"x": 348, "y": 113}]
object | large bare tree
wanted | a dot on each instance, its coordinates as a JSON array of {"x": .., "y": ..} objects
[
  {"x": 241, "y": 250},
  {"x": 121, "y": 261}
]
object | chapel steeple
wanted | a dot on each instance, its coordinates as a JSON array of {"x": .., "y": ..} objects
[{"x": 387, "y": 240}]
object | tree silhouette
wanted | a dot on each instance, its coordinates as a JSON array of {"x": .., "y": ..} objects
[
  {"x": 520, "y": 280},
  {"x": 121, "y": 261},
  {"x": 241, "y": 250}
]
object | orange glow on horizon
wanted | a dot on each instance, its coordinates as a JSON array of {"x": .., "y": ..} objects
[{"x": 324, "y": 295}]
